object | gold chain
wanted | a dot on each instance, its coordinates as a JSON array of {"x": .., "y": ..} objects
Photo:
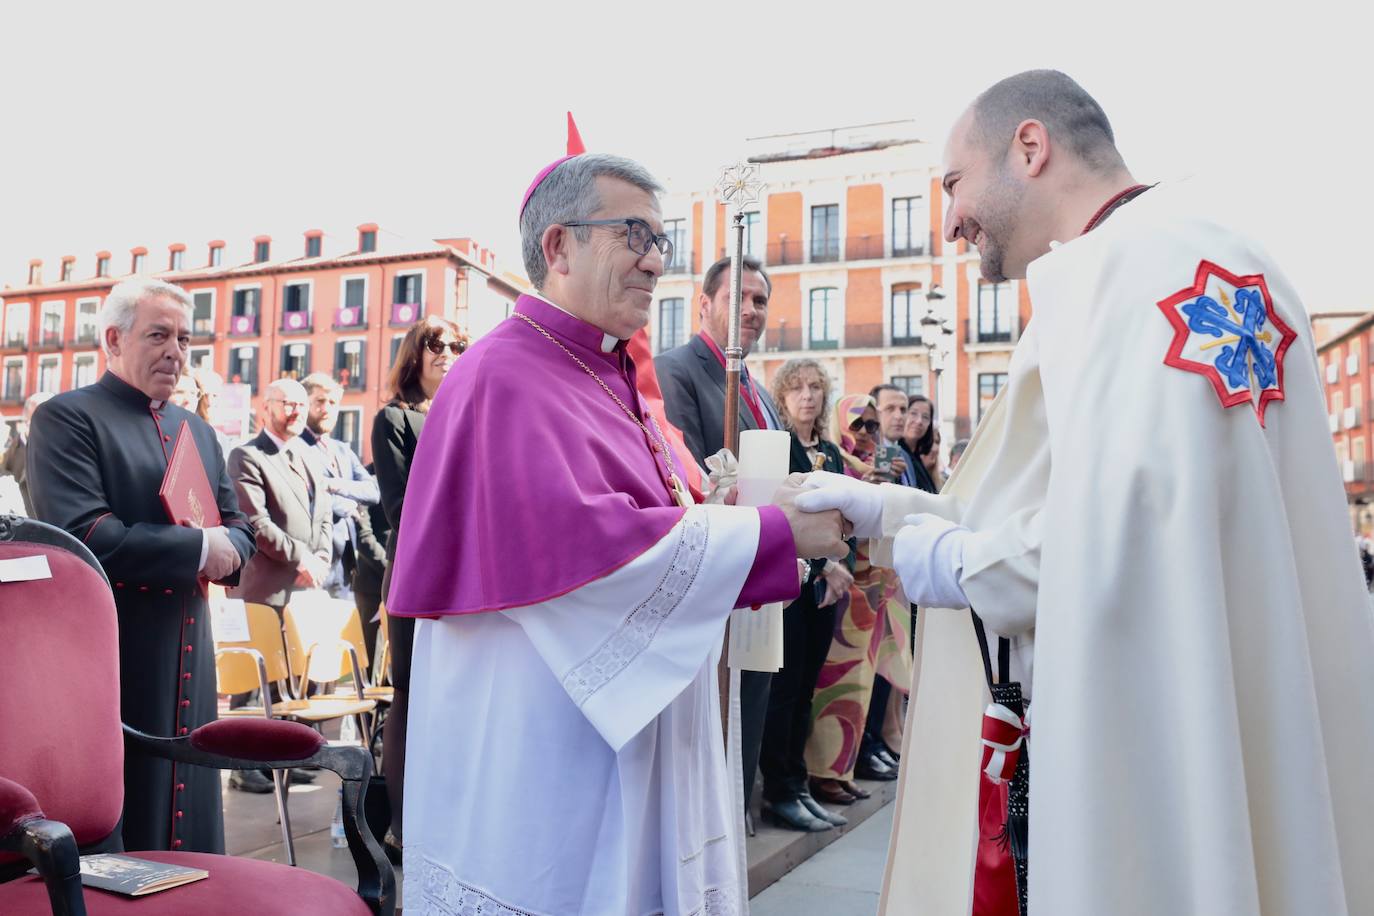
[{"x": 662, "y": 441}]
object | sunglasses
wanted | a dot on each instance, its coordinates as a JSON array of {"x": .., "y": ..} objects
[
  {"x": 868, "y": 426},
  {"x": 436, "y": 346}
]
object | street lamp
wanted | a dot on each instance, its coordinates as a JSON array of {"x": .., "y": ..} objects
[{"x": 933, "y": 329}]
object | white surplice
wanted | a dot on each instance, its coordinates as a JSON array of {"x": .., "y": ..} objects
[
  {"x": 1201, "y": 635},
  {"x": 567, "y": 757}
]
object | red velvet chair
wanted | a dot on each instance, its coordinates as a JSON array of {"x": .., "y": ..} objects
[{"x": 61, "y": 761}]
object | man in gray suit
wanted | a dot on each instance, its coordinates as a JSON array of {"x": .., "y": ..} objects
[
  {"x": 692, "y": 377},
  {"x": 291, "y": 512}
]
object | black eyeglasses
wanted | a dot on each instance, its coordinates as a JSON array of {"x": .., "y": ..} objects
[
  {"x": 868, "y": 426},
  {"x": 640, "y": 237},
  {"x": 436, "y": 346}
]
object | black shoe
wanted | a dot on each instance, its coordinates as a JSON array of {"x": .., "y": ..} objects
[
  {"x": 886, "y": 757},
  {"x": 301, "y": 777},
  {"x": 830, "y": 817},
  {"x": 793, "y": 815},
  {"x": 870, "y": 767},
  {"x": 250, "y": 781}
]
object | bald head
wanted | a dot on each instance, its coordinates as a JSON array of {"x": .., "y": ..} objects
[
  {"x": 1071, "y": 117},
  {"x": 1028, "y": 163}
]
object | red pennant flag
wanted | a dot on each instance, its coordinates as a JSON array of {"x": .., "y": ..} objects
[{"x": 575, "y": 145}]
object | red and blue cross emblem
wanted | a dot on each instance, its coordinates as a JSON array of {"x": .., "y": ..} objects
[{"x": 1227, "y": 330}]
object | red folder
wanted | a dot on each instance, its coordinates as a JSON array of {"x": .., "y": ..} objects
[{"x": 185, "y": 490}]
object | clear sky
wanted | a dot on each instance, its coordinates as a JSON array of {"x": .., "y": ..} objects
[{"x": 140, "y": 123}]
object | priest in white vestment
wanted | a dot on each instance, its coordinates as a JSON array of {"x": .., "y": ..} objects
[
  {"x": 1151, "y": 511},
  {"x": 565, "y": 752}
]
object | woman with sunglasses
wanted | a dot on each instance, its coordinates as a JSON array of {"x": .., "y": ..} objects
[
  {"x": 426, "y": 354},
  {"x": 843, "y": 690}
]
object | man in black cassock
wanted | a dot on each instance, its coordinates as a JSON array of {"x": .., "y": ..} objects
[{"x": 96, "y": 459}]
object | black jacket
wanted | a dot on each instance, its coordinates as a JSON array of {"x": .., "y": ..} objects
[
  {"x": 96, "y": 459},
  {"x": 693, "y": 383}
]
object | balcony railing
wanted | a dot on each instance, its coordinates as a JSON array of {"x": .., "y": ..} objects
[
  {"x": 83, "y": 338},
  {"x": 296, "y": 322},
  {"x": 203, "y": 329},
  {"x": 349, "y": 316},
  {"x": 16, "y": 342},
  {"x": 1001, "y": 335},
  {"x": 243, "y": 326},
  {"x": 12, "y": 397},
  {"x": 830, "y": 250},
  {"x": 406, "y": 313},
  {"x": 681, "y": 263},
  {"x": 351, "y": 380},
  {"x": 49, "y": 340},
  {"x": 852, "y": 337}
]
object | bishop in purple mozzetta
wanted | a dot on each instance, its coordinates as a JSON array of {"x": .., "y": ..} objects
[{"x": 565, "y": 748}]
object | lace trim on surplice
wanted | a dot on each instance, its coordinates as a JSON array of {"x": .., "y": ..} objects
[
  {"x": 433, "y": 889},
  {"x": 642, "y": 623}
]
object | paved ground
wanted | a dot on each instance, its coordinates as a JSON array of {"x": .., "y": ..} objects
[{"x": 842, "y": 879}]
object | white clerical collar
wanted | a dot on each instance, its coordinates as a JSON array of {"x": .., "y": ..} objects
[{"x": 608, "y": 341}]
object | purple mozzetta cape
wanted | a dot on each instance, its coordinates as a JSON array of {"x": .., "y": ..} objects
[{"x": 530, "y": 482}]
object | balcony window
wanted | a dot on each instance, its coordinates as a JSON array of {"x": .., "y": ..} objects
[
  {"x": 909, "y": 226},
  {"x": 349, "y": 429},
  {"x": 83, "y": 370},
  {"x": 824, "y": 319},
  {"x": 409, "y": 288},
  {"x": 49, "y": 368},
  {"x": 13, "y": 389},
  {"x": 676, "y": 230},
  {"x": 295, "y": 315},
  {"x": 910, "y": 384},
  {"x": 243, "y": 367},
  {"x": 753, "y": 235},
  {"x": 350, "y": 366},
  {"x": 243, "y": 317},
  {"x": 671, "y": 323},
  {"x": 203, "y": 313},
  {"x": 989, "y": 383},
  {"x": 352, "y": 299},
  {"x": 295, "y": 360},
  {"x": 87, "y": 322},
  {"x": 825, "y": 233},
  {"x": 17, "y": 324},
  {"x": 906, "y": 316},
  {"x": 50, "y": 325},
  {"x": 996, "y": 312}
]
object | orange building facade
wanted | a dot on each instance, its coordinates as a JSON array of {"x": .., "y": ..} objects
[
  {"x": 1345, "y": 359},
  {"x": 849, "y": 231},
  {"x": 294, "y": 308}
]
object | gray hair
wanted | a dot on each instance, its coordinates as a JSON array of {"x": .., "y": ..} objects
[
  {"x": 122, "y": 303},
  {"x": 569, "y": 193},
  {"x": 1055, "y": 100}
]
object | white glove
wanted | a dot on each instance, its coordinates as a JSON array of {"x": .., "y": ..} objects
[
  {"x": 928, "y": 556},
  {"x": 860, "y": 503}
]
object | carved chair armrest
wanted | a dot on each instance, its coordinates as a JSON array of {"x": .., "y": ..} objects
[
  {"x": 216, "y": 745},
  {"x": 49, "y": 845}
]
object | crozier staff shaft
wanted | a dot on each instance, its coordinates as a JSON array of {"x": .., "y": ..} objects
[{"x": 734, "y": 354}]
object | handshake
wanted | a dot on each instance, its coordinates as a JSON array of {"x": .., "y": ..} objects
[{"x": 824, "y": 508}]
